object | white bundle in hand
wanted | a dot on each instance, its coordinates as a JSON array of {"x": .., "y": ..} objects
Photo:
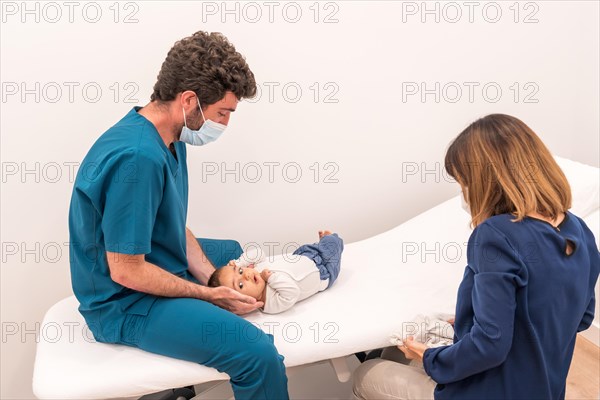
[{"x": 433, "y": 331}]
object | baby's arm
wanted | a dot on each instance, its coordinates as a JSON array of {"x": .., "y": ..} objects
[{"x": 284, "y": 292}]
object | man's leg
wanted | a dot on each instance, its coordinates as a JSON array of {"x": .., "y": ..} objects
[
  {"x": 219, "y": 251},
  {"x": 197, "y": 331}
]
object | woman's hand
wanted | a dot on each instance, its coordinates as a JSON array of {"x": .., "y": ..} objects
[{"x": 412, "y": 349}]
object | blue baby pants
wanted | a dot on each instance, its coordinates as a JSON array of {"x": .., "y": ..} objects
[
  {"x": 200, "y": 332},
  {"x": 327, "y": 255}
]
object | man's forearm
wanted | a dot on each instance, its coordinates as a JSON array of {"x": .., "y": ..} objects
[
  {"x": 198, "y": 264},
  {"x": 148, "y": 278}
]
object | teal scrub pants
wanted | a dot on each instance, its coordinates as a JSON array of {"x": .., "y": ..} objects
[{"x": 198, "y": 331}]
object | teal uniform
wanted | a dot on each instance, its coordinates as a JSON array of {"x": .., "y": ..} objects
[{"x": 130, "y": 197}]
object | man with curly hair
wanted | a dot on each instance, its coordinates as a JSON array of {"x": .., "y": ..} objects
[{"x": 138, "y": 272}]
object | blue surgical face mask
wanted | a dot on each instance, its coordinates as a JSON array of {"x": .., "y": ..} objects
[{"x": 208, "y": 132}]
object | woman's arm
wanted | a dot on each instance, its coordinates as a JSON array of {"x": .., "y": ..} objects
[
  {"x": 588, "y": 316},
  {"x": 496, "y": 268}
]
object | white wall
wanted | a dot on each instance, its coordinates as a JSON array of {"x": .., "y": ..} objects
[{"x": 379, "y": 145}]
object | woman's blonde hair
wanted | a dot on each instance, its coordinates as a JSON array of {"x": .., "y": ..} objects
[{"x": 503, "y": 167}]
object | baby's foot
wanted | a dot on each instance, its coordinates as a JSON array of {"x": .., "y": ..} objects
[{"x": 324, "y": 233}]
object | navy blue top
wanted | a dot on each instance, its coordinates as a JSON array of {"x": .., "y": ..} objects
[
  {"x": 520, "y": 305},
  {"x": 130, "y": 196}
]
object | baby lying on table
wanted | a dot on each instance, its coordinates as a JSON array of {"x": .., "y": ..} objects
[{"x": 285, "y": 280}]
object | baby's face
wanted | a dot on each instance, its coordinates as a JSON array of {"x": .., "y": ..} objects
[{"x": 245, "y": 280}]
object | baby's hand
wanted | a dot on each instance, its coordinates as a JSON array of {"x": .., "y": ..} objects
[
  {"x": 265, "y": 274},
  {"x": 233, "y": 264}
]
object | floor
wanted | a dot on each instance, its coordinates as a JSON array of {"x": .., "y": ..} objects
[
  {"x": 319, "y": 381},
  {"x": 583, "y": 381}
]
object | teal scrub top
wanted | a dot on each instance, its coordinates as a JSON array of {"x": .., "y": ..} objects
[{"x": 130, "y": 196}]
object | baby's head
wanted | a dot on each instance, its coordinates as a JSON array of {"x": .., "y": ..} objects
[{"x": 245, "y": 280}]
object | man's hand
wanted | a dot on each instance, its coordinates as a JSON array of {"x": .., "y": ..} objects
[
  {"x": 233, "y": 301},
  {"x": 265, "y": 274},
  {"x": 412, "y": 349}
]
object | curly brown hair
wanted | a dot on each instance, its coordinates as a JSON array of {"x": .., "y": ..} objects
[{"x": 207, "y": 64}]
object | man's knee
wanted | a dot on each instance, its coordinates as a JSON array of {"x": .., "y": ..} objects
[
  {"x": 231, "y": 250},
  {"x": 235, "y": 248},
  {"x": 220, "y": 251}
]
